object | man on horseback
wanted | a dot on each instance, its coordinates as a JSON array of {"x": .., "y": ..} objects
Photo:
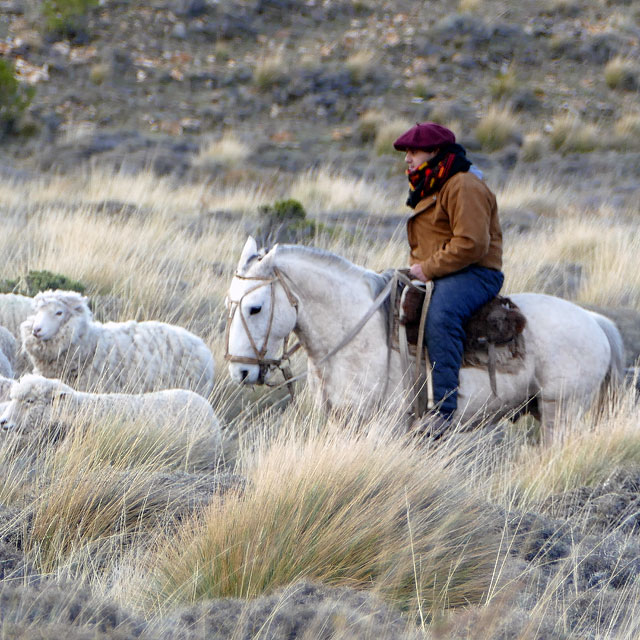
[{"x": 455, "y": 241}]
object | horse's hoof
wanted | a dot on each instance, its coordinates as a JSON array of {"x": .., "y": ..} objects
[{"x": 431, "y": 427}]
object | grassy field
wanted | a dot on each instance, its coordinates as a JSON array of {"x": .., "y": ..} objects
[{"x": 128, "y": 532}]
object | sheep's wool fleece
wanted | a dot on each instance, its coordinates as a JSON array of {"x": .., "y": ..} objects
[
  {"x": 130, "y": 357},
  {"x": 7, "y": 353},
  {"x": 170, "y": 408},
  {"x": 5, "y": 388},
  {"x": 14, "y": 309}
]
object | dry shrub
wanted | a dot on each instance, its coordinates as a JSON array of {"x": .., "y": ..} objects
[
  {"x": 366, "y": 513},
  {"x": 497, "y": 128}
]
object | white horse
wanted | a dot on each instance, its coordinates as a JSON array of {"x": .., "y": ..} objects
[{"x": 570, "y": 352}]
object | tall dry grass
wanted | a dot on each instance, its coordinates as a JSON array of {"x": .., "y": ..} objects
[
  {"x": 117, "y": 507},
  {"x": 340, "y": 508}
]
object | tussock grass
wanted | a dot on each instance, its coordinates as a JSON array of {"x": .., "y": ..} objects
[
  {"x": 227, "y": 151},
  {"x": 622, "y": 73},
  {"x": 362, "y": 65},
  {"x": 388, "y": 133},
  {"x": 535, "y": 194},
  {"x": 270, "y": 71},
  {"x": 345, "y": 510},
  {"x": 323, "y": 191},
  {"x": 533, "y": 147},
  {"x": 607, "y": 255},
  {"x": 590, "y": 449},
  {"x": 497, "y": 128},
  {"x": 570, "y": 134},
  {"x": 626, "y": 132}
]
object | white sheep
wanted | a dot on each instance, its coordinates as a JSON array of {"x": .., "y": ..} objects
[
  {"x": 63, "y": 341},
  {"x": 38, "y": 405},
  {"x": 14, "y": 310},
  {"x": 5, "y": 388},
  {"x": 7, "y": 353}
]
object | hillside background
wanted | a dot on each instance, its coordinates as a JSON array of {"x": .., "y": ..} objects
[{"x": 140, "y": 145}]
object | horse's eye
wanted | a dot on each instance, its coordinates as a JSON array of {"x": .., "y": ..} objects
[{"x": 254, "y": 310}]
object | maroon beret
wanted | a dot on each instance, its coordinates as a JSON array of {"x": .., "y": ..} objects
[{"x": 425, "y": 136}]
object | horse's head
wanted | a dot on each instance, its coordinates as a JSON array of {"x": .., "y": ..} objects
[{"x": 262, "y": 313}]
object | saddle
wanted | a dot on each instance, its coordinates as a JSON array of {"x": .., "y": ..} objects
[{"x": 493, "y": 333}]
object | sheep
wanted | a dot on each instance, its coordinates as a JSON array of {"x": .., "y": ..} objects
[
  {"x": 63, "y": 341},
  {"x": 14, "y": 309},
  {"x": 39, "y": 406},
  {"x": 7, "y": 354},
  {"x": 5, "y": 388}
]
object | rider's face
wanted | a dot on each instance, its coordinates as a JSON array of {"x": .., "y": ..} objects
[{"x": 415, "y": 157}]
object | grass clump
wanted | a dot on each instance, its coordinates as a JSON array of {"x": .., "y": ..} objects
[
  {"x": 533, "y": 147},
  {"x": 36, "y": 281},
  {"x": 344, "y": 511},
  {"x": 498, "y": 128},
  {"x": 626, "y": 132},
  {"x": 623, "y": 74},
  {"x": 227, "y": 151},
  {"x": 569, "y": 134},
  {"x": 270, "y": 72},
  {"x": 504, "y": 84},
  {"x": 14, "y": 99},
  {"x": 387, "y": 134},
  {"x": 67, "y": 18}
]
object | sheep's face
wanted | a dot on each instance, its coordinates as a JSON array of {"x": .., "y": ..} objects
[
  {"x": 28, "y": 409},
  {"x": 49, "y": 317}
]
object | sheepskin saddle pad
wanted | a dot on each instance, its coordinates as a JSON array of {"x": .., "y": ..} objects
[{"x": 499, "y": 323}]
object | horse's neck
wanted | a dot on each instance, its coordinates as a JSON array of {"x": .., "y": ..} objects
[{"x": 331, "y": 304}]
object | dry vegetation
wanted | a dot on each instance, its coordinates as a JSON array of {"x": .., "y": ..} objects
[{"x": 151, "y": 522}]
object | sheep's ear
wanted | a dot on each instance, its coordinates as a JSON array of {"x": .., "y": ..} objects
[
  {"x": 249, "y": 252},
  {"x": 61, "y": 390},
  {"x": 80, "y": 306}
]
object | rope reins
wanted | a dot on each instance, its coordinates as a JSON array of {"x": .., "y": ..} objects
[
  {"x": 264, "y": 363},
  {"x": 389, "y": 291}
]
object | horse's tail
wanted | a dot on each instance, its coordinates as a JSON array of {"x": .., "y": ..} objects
[{"x": 615, "y": 375}]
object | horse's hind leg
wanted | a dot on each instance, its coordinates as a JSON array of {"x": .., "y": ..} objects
[{"x": 549, "y": 415}]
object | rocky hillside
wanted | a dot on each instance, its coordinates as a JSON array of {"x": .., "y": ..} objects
[{"x": 324, "y": 81}]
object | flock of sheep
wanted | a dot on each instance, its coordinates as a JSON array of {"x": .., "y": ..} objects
[{"x": 58, "y": 363}]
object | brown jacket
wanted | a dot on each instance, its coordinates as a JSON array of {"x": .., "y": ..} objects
[{"x": 456, "y": 227}]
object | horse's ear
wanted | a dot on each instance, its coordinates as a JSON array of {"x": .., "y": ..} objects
[{"x": 249, "y": 251}]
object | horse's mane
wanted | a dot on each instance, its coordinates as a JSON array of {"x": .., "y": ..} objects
[{"x": 376, "y": 281}]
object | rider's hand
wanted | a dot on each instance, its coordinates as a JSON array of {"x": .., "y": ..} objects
[{"x": 416, "y": 272}]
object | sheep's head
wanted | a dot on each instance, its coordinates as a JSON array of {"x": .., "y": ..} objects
[
  {"x": 31, "y": 403},
  {"x": 54, "y": 309}
]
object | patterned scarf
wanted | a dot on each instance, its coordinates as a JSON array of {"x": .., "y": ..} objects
[{"x": 431, "y": 175}]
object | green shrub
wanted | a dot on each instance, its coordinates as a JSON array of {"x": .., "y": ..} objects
[
  {"x": 14, "y": 98},
  {"x": 285, "y": 210},
  {"x": 36, "y": 281},
  {"x": 66, "y": 17}
]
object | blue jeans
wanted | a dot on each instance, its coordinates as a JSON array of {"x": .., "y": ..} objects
[{"x": 454, "y": 300}]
